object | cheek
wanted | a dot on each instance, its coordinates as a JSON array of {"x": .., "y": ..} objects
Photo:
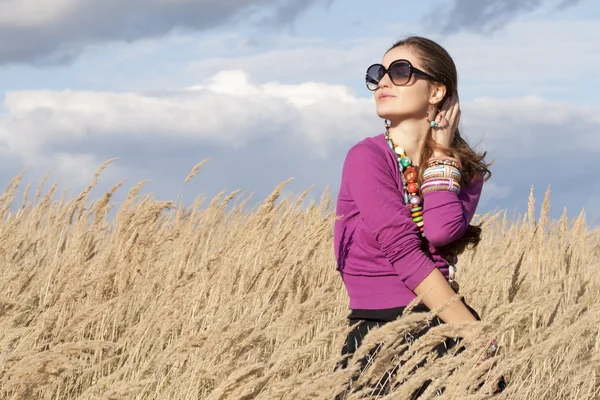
[
  {"x": 417, "y": 97},
  {"x": 408, "y": 98}
]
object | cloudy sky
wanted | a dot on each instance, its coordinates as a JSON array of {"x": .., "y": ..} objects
[{"x": 273, "y": 89}]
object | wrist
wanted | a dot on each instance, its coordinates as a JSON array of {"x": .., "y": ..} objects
[{"x": 441, "y": 156}]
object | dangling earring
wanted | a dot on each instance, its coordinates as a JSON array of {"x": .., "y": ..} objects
[
  {"x": 386, "y": 124},
  {"x": 433, "y": 124}
]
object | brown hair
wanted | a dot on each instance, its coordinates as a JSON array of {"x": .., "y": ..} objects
[{"x": 437, "y": 62}]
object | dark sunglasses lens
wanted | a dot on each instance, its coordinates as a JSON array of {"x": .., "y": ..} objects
[
  {"x": 374, "y": 75},
  {"x": 400, "y": 72}
]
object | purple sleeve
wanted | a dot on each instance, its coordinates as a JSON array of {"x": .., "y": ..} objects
[
  {"x": 446, "y": 215},
  {"x": 373, "y": 188}
]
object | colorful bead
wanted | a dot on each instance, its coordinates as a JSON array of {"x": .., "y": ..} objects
[
  {"x": 406, "y": 161},
  {"x": 414, "y": 200},
  {"x": 399, "y": 150},
  {"x": 417, "y": 208},
  {"x": 418, "y": 219},
  {"x": 417, "y": 213},
  {"x": 412, "y": 188},
  {"x": 410, "y": 174}
]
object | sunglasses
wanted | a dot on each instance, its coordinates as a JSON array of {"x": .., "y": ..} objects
[{"x": 400, "y": 72}]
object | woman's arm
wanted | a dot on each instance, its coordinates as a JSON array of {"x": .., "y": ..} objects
[
  {"x": 446, "y": 215},
  {"x": 439, "y": 293}
]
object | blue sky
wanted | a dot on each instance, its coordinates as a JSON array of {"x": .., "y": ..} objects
[{"x": 272, "y": 89}]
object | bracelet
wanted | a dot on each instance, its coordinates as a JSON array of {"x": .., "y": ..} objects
[
  {"x": 443, "y": 161},
  {"x": 440, "y": 184},
  {"x": 441, "y": 189},
  {"x": 442, "y": 172},
  {"x": 446, "y": 182}
]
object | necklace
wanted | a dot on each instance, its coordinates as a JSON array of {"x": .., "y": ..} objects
[{"x": 409, "y": 174}]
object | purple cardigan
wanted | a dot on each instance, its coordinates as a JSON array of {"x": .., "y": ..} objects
[{"x": 377, "y": 245}]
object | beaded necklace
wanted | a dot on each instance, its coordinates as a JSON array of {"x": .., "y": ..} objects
[
  {"x": 412, "y": 197},
  {"x": 409, "y": 174}
]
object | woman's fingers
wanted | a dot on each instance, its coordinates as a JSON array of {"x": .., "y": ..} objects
[
  {"x": 454, "y": 114},
  {"x": 449, "y": 113},
  {"x": 452, "y": 108}
]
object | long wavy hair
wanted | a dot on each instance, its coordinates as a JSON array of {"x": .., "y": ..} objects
[{"x": 437, "y": 62}]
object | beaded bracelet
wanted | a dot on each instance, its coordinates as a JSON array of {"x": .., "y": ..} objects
[{"x": 444, "y": 161}]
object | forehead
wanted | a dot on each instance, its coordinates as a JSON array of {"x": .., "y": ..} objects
[{"x": 402, "y": 52}]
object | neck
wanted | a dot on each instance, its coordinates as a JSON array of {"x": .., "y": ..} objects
[{"x": 410, "y": 134}]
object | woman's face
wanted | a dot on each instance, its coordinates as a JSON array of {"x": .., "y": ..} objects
[{"x": 410, "y": 100}]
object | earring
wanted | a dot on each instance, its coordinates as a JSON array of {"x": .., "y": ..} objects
[
  {"x": 433, "y": 124},
  {"x": 386, "y": 124}
]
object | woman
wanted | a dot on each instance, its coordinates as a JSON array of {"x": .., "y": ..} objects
[{"x": 408, "y": 195}]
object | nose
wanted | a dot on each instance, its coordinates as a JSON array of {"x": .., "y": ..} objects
[{"x": 385, "y": 81}]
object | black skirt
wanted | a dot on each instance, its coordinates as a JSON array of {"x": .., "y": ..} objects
[{"x": 367, "y": 320}]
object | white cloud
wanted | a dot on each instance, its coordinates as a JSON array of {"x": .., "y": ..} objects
[
  {"x": 532, "y": 126},
  {"x": 237, "y": 84},
  {"x": 229, "y": 110},
  {"x": 79, "y": 168}
]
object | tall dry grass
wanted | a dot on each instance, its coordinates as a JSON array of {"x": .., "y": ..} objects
[{"x": 219, "y": 300}]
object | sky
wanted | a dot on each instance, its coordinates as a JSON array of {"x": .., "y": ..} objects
[{"x": 274, "y": 89}]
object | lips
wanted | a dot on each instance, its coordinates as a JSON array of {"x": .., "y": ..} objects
[{"x": 384, "y": 96}]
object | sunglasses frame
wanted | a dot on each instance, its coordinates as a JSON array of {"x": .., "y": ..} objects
[{"x": 411, "y": 70}]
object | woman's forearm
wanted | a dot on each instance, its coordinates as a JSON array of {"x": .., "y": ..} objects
[{"x": 439, "y": 292}]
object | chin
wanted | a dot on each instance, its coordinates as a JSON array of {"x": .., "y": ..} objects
[
  {"x": 390, "y": 115},
  {"x": 395, "y": 114}
]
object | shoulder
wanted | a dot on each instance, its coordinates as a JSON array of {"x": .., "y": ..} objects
[
  {"x": 369, "y": 159},
  {"x": 370, "y": 148}
]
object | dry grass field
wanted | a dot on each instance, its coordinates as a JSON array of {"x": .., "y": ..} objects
[{"x": 224, "y": 301}]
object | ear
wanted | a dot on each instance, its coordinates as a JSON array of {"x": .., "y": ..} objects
[{"x": 438, "y": 92}]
